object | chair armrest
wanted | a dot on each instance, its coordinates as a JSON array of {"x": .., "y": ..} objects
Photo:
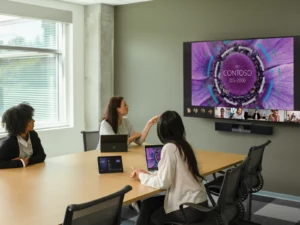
[
  {"x": 210, "y": 197},
  {"x": 220, "y": 172},
  {"x": 195, "y": 206},
  {"x": 213, "y": 186},
  {"x": 211, "y": 192},
  {"x": 218, "y": 182}
]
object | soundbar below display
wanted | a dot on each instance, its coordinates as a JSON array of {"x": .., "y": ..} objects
[{"x": 244, "y": 128}]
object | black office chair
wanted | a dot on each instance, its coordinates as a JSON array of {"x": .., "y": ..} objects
[
  {"x": 90, "y": 140},
  {"x": 229, "y": 207},
  {"x": 103, "y": 211},
  {"x": 254, "y": 181}
]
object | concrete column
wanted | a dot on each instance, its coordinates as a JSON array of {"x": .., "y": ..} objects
[{"x": 99, "y": 56}]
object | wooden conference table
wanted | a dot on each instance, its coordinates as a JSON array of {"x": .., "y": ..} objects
[{"x": 39, "y": 194}]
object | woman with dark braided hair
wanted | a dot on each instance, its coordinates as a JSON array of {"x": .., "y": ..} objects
[
  {"x": 178, "y": 173},
  {"x": 22, "y": 146}
]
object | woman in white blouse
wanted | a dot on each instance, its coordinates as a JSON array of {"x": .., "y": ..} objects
[
  {"x": 178, "y": 173},
  {"x": 114, "y": 122}
]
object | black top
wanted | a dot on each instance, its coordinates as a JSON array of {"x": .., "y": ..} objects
[
  {"x": 258, "y": 116},
  {"x": 9, "y": 150}
]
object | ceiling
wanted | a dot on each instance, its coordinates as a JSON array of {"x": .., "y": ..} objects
[{"x": 109, "y": 2}]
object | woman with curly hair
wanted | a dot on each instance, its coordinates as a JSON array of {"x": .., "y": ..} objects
[{"x": 22, "y": 146}]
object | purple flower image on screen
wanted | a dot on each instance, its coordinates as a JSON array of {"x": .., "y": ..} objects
[
  {"x": 254, "y": 73},
  {"x": 153, "y": 157}
]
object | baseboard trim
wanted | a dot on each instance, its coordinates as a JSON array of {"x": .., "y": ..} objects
[{"x": 278, "y": 195}]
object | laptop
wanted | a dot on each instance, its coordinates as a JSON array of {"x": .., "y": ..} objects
[
  {"x": 110, "y": 164},
  {"x": 152, "y": 153},
  {"x": 114, "y": 143}
]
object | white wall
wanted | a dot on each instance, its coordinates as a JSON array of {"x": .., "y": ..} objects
[{"x": 68, "y": 140}]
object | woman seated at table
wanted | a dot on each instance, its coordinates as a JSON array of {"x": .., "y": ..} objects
[
  {"x": 178, "y": 173},
  {"x": 22, "y": 146},
  {"x": 114, "y": 122}
]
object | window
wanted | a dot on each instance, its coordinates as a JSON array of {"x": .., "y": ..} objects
[{"x": 31, "y": 68}]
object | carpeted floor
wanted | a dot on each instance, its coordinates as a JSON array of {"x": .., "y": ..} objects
[{"x": 266, "y": 211}]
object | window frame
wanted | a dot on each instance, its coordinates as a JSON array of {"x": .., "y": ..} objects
[{"x": 60, "y": 53}]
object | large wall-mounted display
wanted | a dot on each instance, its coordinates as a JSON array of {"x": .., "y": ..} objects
[{"x": 250, "y": 79}]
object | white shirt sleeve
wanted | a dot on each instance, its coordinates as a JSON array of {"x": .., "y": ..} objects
[
  {"x": 153, "y": 172},
  {"x": 166, "y": 171}
]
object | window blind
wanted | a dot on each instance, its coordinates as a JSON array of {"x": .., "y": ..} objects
[{"x": 31, "y": 67}]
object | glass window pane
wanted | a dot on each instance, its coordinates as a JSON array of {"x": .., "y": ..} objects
[
  {"x": 22, "y": 32},
  {"x": 31, "y": 75},
  {"x": 32, "y": 79}
]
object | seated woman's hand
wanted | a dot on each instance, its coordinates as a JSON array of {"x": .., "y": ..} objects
[{"x": 135, "y": 173}]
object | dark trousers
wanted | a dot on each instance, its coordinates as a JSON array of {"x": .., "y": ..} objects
[{"x": 152, "y": 213}]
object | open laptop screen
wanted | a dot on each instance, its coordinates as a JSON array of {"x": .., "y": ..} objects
[{"x": 152, "y": 153}]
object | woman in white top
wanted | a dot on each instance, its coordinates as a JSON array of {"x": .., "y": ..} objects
[
  {"x": 114, "y": 122},
  {"x": 178, "y": 173}
]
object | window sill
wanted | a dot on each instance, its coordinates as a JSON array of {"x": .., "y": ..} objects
[{"x": 39, "y": 128}]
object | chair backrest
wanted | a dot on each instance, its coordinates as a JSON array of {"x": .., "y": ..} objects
[
  {"x": 255, "y": 180},
  {"x": 103, "y": 211},
  {"x": 232, "y": 192},
  {"x": 90, "y": 140}
]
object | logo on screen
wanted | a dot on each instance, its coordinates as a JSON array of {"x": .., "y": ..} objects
[{"x": 238, "y": 75}]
